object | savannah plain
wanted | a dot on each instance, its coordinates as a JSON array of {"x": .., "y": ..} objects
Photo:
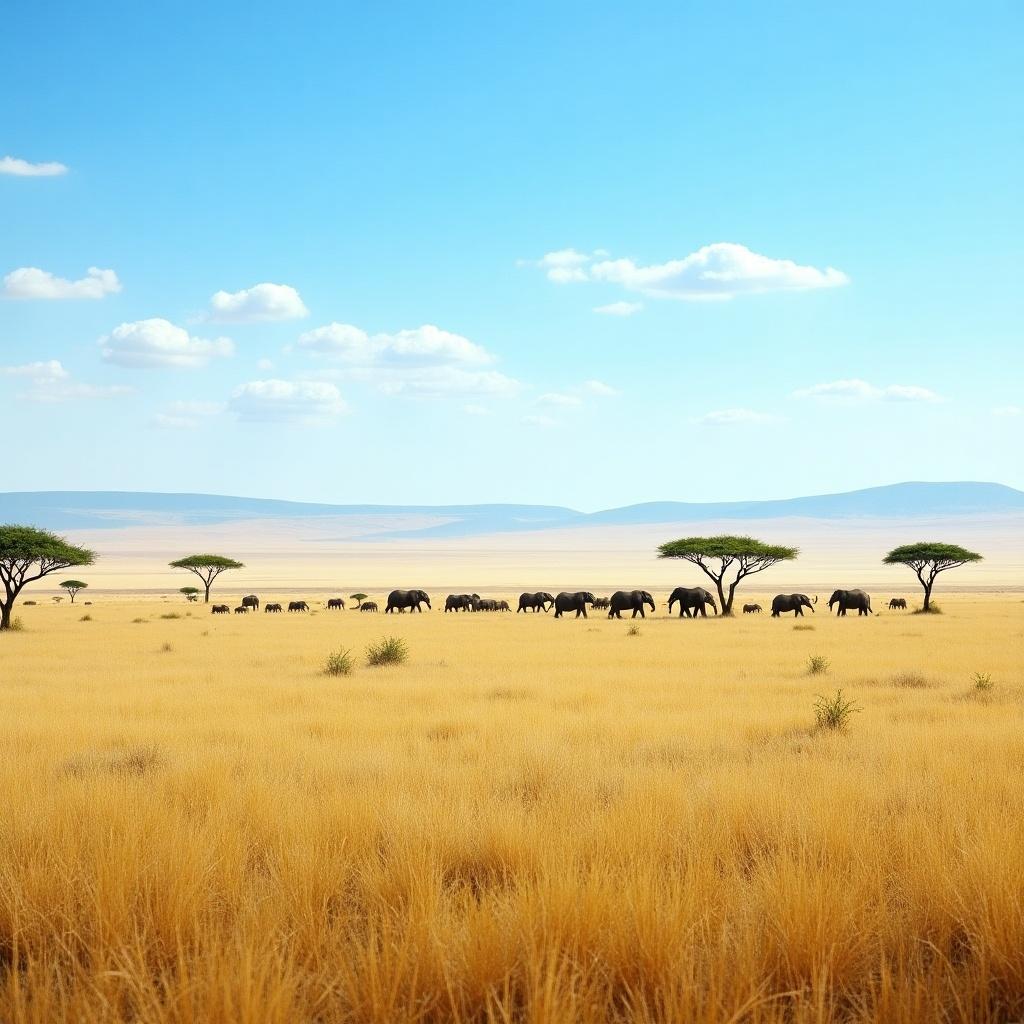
[{"x": 529, "y": 820}]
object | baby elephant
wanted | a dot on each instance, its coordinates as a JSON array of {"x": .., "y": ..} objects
[{"x": 752, "y": 609}]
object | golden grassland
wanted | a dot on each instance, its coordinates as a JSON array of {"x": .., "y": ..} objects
[{"x": 529, "y": 820}]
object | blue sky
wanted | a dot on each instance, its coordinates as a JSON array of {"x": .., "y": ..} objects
[{"x": 562, "y": 253}]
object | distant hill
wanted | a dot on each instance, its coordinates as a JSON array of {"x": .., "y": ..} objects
[{"x": 90, "y": 510}]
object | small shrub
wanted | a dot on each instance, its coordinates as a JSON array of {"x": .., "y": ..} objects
[
  {"x": 817, "y": 665},
  {"x": 28, "y": 603},
  {"x": 17, "y": 626},
  {"x": 834, "y": 712},
  {"x": 983, "y": 682},
  {"x": 167, "y": 648},
  {"x": 633, "y": 630},
  {"x": 170, "y": 615},
  {"x": 804, "y": 627},
  {"x": 339, "y": 663},
  {"x": 86, "y": 618},
  {"x": 138, "y": 620},
  {"x": 933, "y": 610},
  {"x": 910, "y": 680},
  {"x": 390, "y": 650}
]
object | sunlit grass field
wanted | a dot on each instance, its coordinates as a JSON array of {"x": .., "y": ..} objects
[{"x": 530, "y": 819}]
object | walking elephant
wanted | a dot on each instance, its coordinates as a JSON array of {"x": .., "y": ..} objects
[
  {"x": 629, "y": 600},
  {"x": 752, "y": 609},
  {"x": 503, "y": 606},
  {"x": 795, "y": 603},
  {"x": 538, "y": 602},
  {"x": 458, "y": 602},
  {"x": 220, "y": 609},
  {"x": 336, "y": 604},
  {"x": 368, "y": 606},
  {"x": 692, "y": 601},
  {"x": 399, "y": 600},
  {"x": 577, "y": 602},
  {"x": 272, "y": 608},
  {"x": 602, "y": 602},
  {"x": 298, "y": 606},
  {"x": 242, "y": 610},
  {"x": 897, "y": 602},
  {"x": 251, "y": 601},
  {"x": 847, "y": 599}
]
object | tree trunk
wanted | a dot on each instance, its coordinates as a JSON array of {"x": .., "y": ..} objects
[
  {"x": 5, "y": 613},
  {"x": 207, "y": 592},
  {"x": 722, "y": 600},
  {"x": 927, "y": 597},
  {"x": 72, "y": 594}
]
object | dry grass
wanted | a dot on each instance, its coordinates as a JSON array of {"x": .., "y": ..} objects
[{"x": 529, "y": 820}]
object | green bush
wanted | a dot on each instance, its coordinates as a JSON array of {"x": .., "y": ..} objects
[
  {"x": 86, "y": 618},
  {"x": 390, "y": 650},
  {"x": 817, "y": 665},
  {"x": 339, "y": 663},
  {"x": 983, "y": 682},
  {"x": 633, "y": 630},
  {"x": 834, "y": 712},
  {"x": 170, "y": 615}
]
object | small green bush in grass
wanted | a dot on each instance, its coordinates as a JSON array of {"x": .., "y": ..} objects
[
  {"x": 834, "y": 712},
  {"x": 390, "y": 650},
  {"x": 339, "y": 663},
  {"x": 817, "y": 665}
]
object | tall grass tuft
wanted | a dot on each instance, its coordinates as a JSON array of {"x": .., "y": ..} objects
[
  {"x": 390, "y": 650},
  {"x": 339, "y": 663},
  {"x": 817, "y": 665}
]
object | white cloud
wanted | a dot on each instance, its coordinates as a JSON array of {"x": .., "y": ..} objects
[
  {"x": 619, "y": 308},
  {"x": 49, "y": 381},
  {"x": 599, "y": 388},
  {"x": 287, "y": 401},
  {"x": 557, "y": 398},
  {"x": 24, "y": 169},
  {"x": 261, "y": 302},
  {"x": 1008, "y": 411},
  {"x": 856, "y": 390},
  {"x": 731, "y": 417},
  {"x": 540, "y": 421},
  {"x": 721, "y": 270},
  {"x": 187, "y": 415},
  {"x": 33, "y": 283},
  {"x": 264, "y": 364},
  {"x": 146, "y": 344},
  {"x": 426, "y": 381},
  {"x": 426, "y": 344}
]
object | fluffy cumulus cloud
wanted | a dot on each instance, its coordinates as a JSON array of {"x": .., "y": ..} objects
[
  {"x": 722, "y": 270},
  {"x": 258, "y": 303},
  {"x": 155, "y": 343},
  {"x": 49, "y": 381},
  {"x": 733, "y": 417},
  {"x": 856, "y": 390},
  {"x": 33, "y": 283},
  {"x": 24, "y": 169},
  {"x": 283, "y": 401},
  {"x": 619, "y": 308},
  {"x": 424, "y": 345}
]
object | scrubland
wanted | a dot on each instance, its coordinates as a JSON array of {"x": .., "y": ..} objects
[{"x": 529, "y": 820}]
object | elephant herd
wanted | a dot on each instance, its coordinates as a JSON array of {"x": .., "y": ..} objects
[{"x": 692, "y": 601}]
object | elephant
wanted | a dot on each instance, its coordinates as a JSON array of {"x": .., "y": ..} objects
[
  {"x": 336, "y": 603},
  {"x": 251, "y": 601},
  {"x": 898, "y": 602},
  {"x": 298, "y": 606},
  {"x": 272, "y": 608},
  {"x": 846, "y": 599},
  {"x": 399, "y": 600},
  {"x": 577, "y": 602},
  {"x": 485, "y": 604},
  {"x": 791, "y": 603},
  {"x": 624, "y": 600},
  {"x": 220, "y": 609},
  {"x": 539, "y": 601},
  {"x": 368, "y": 606},
  {"x": 752, "y": 609},
  {"x": 242, "y": 610},
  {"x": 503, "y": 606},
  {"x": 458, "y": 602},
  {"x": 692, "y": 601},
  {"x": 601, "y": 602}
]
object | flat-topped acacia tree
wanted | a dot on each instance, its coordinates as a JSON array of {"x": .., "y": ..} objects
[
  {"x": 72, "y": 587},
  {"x": 191, "y": 593},
  {"x": 359, "y": 599},
  {"x": 727, "y": 560},
  {"x": 207, "y": 568},
  {"x": 928, "y": 559},
  {"x": 27, "y": 555}
]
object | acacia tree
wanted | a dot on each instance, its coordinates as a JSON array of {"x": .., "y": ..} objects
[
  {"x": 27, "y": 555},
  {"x": 359, "y": 599},
  {"x": 928, "y": 559},
  {"x": 73, "y": 587},
  {"x": 207, "y": 568},
  {"x": 727, "y": 560},
  {"x": 191, "y": 593}
]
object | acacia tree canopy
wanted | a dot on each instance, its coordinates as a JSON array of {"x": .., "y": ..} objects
[
  {"x": 727, "y": 559},
  {"x": 207, "y": 568},
  {"x": 928, "y": 559},
  {"x": 359, "y": 599},
  {"x": 73, "y": 587},
  {"x": 28, "y": 554}
]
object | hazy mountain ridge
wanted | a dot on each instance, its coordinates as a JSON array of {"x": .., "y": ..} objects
[{"x": 71, "y": 510}]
